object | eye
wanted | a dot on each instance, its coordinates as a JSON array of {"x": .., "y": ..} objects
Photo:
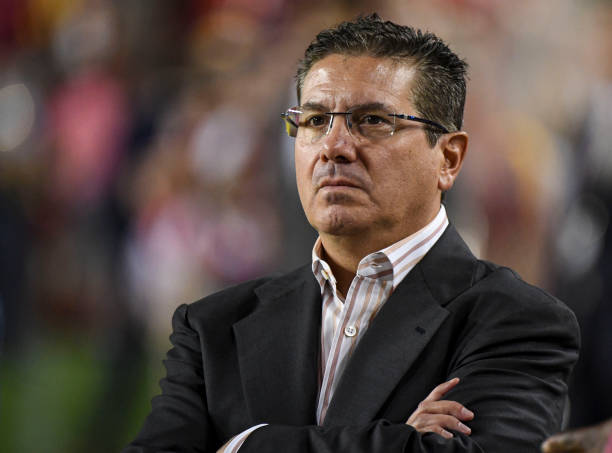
[
  {"x": 372, "y": 120},
  {"x": 316, "y": 120},
  {"x": 373, "y": 123}
]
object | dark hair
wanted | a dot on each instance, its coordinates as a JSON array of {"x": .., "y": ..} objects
[{"x": 439, "y": 87}]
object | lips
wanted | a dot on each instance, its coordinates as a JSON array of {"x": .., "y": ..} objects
[
  {"x": 331, "y": 175},
  {"x": 337, "y": 182}
]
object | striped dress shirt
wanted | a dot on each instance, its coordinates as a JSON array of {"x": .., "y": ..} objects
[{"x": 344, "y": 321}]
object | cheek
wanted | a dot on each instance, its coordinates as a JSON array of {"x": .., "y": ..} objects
[
  {"x": 405, "y": 182},
  {"x": 303, "y": 177}
]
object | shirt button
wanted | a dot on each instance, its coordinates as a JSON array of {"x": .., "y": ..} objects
[
  {"x": 325, "y": 275},
  {"x": 350, "y": 331}
]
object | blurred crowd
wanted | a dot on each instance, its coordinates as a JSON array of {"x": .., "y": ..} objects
[{"x": 143, "y": 165}]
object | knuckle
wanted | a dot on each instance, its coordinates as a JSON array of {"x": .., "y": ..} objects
[
  {"x": 440, "y": 430},
  {"x": 437, "y": 393},
  {"x": 448, "y": 421},
  {"x": 418, "y": 426},
  {"x": 456, "y": 408},
  {"x": 423, "y": 419}
]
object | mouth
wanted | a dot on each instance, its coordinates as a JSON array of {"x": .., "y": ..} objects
[{"x": 337, "y": 183}]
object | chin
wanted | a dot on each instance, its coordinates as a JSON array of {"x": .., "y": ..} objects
[{"x": 337, "y": 222}]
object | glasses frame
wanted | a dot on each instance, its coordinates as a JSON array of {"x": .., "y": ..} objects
[{"x": 292, "y": 128}]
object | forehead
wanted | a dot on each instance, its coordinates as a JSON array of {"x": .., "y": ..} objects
[{"x": 340, "y": 81}]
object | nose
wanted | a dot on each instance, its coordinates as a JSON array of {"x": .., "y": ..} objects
[{"x": 338, "y": 145}]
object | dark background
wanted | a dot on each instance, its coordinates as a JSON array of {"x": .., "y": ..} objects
[{"x": 143, "y": 164}]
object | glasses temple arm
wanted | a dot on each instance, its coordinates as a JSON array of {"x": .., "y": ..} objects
[{"x": 421, "y": 120}]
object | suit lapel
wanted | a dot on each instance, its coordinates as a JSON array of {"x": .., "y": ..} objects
[
  {"x": 396, "y": 337},
  {"x": 401, "y": 330},
  {"x": 278, "y": 350}
]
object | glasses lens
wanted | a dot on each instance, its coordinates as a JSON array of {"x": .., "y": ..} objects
[
  {"x": 292, "y": 121},
  {"x": 313, "y": 124},
  {"x": 373, "y": 124}
]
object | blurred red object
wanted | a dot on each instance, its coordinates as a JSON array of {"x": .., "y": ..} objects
[{"x": 89, "y": 122}]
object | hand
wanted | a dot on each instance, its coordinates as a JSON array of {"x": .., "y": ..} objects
[
  {"x": 591, "y": 439},
  {"x": 434, "y": 414}
]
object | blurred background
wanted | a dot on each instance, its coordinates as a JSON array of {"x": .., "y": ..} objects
[{"x": 143, "y": 165}]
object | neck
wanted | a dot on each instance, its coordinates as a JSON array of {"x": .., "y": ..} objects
[
  {"x": 342, "y": 261},
  {"x": 344, "y": 252},
  {"x": 343, "y": 255}
]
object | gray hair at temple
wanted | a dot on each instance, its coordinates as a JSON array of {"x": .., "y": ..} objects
[{"x": 439, "y": 88}]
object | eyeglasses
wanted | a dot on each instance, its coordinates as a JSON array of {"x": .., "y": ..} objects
[{"x": 370, "y": 124}]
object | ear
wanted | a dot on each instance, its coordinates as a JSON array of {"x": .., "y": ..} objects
[{"x": 454, "y": 147}]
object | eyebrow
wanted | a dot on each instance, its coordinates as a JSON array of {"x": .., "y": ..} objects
[{"x": 365, "y": 106}]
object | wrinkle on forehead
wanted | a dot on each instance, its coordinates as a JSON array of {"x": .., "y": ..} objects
[{"x": 342, "y": 81}]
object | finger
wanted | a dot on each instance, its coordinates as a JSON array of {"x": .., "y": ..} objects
[
  {"x": 435, "y": 429},
  {"x": 453, "y": 408},
  {"x": 446, "y": 407},
  {"x": 426, "y": 422},
  {"x": 438, "y": 392},
  {"x": 441, "y": 431}
]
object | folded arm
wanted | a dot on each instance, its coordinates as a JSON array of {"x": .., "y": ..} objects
[
  {"x": 513, "y": 366},
  {"x": 433, "y": 415}
]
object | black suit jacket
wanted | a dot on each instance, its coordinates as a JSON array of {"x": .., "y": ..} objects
[{"x": 250, "y": 355}]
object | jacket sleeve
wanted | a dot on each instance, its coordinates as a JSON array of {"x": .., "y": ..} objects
[
  {"x": 514, "y": 358},
  {"x": 179, "y": 420}
]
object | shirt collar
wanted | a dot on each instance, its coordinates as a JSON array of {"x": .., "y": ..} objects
[{"x": 391, "y": 263}]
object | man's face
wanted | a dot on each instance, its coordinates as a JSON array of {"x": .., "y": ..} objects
[{"x": 385, "y": 188}]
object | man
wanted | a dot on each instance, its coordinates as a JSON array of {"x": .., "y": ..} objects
[{"x": 342, "y": 354}]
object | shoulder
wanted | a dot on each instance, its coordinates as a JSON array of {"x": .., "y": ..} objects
[
  {"x": 479, "y": 290},
  {"x": 498, "y": 292},
  {"x": 501, "y": 281},
  {"x": 237, "y": 301}
]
